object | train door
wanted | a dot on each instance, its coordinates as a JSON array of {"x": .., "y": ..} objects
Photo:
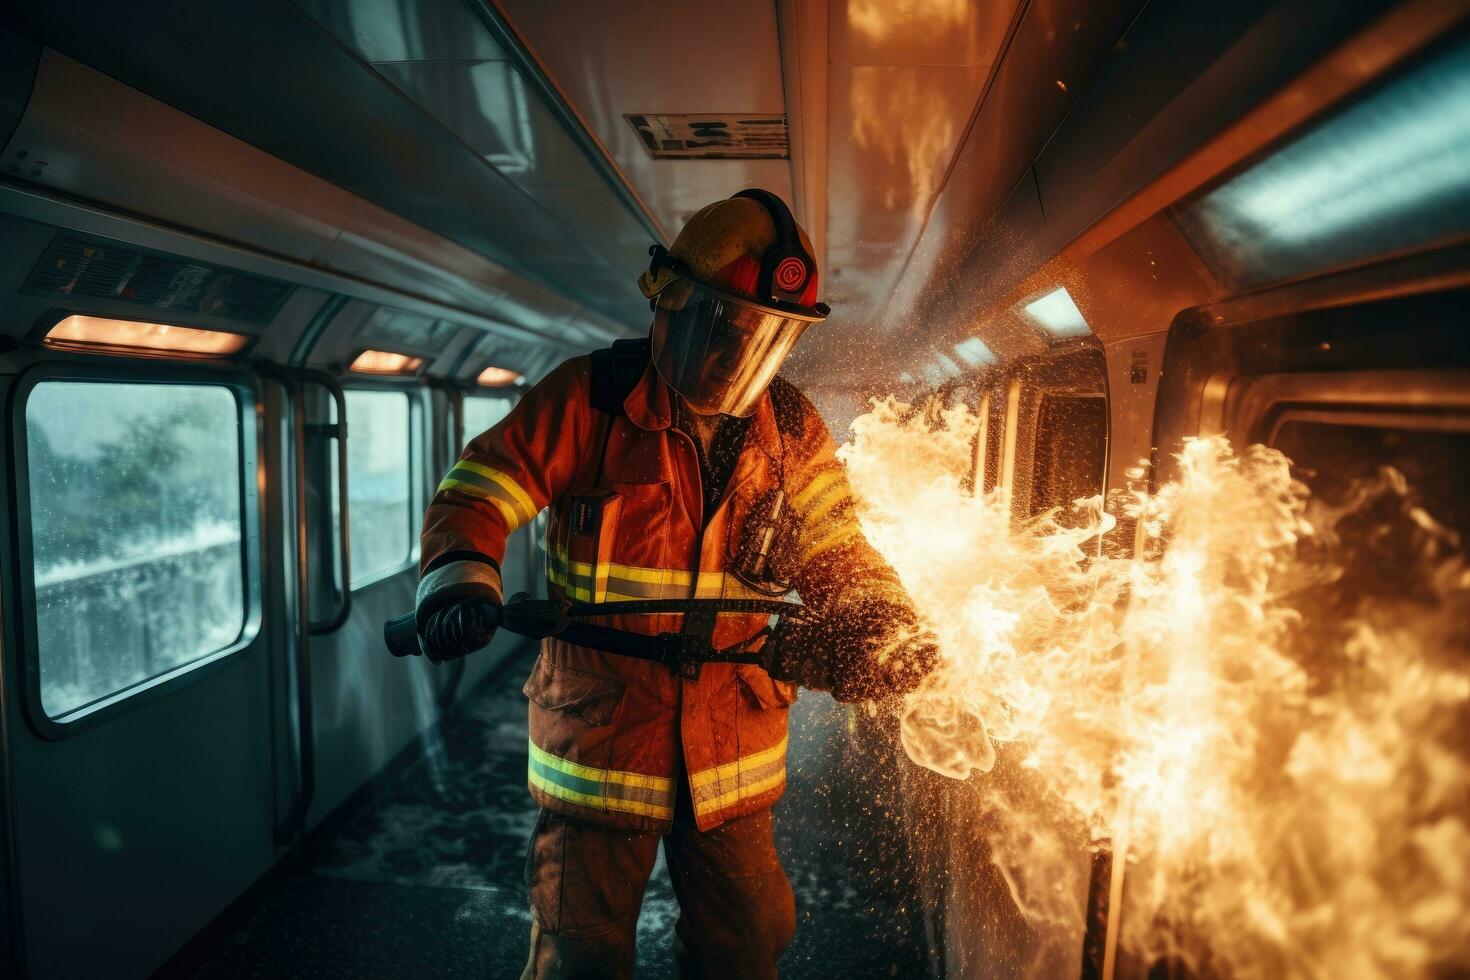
[{"x": 139, "y": 703}]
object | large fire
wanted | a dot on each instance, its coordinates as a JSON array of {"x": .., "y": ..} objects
[{"x": 1279, "y": 750}]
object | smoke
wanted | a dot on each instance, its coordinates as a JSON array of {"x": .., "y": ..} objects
[{"x": 1263, "y": 718}]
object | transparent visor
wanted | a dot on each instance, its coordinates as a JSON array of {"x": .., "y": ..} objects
[{"x": 718, "y": 351}]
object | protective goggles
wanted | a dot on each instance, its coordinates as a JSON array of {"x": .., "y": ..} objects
[{"x": 719, "y": 350}]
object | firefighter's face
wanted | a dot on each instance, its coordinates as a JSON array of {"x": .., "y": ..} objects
[{"x": 717, "y": 352}]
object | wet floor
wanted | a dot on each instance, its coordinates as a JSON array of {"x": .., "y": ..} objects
[{"x": 428, "y": 881}]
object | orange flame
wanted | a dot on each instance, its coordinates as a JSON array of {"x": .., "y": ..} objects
[{"x": 1291, "y": 777}]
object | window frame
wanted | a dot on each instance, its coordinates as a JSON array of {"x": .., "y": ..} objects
[
  {"x": 418, "y": 446},
  {"x": 1252, "y": 408},
  {"x": 1071, "y": 368},
  {"x": 248, "y": 398}
]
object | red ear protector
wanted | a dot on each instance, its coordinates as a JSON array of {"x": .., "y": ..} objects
[
  {"x": 786, "y": 266},
  {"x": 785, "y": 270}
]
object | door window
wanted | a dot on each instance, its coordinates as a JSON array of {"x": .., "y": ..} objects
[
  {"x": 380, "y": 524},
  {"x": 136, "y": 528}
]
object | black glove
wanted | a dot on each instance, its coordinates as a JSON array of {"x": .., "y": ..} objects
[
  {"x": 866, "y": 654},
  {"x": 458, "y": 628}
]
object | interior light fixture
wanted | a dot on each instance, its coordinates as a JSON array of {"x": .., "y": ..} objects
[
  {"x": 1057, "y": 314},
  {"x": 385, "y": 362},
  {"x": 1385, "y": 174},
  {"x": 498, "y": 377},
  {"x": 99, "y": 333},
  {"x": 947, "y": 367},
  {"x": 974, "y": 352}
]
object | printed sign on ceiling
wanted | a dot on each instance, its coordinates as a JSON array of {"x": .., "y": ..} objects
[{"x": 713, "y": 136}]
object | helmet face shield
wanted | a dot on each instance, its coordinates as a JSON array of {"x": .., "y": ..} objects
[{"x": 717, "y": 350}]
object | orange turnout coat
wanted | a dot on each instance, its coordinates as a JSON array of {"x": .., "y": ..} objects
[{"x": 611, "y": 735}]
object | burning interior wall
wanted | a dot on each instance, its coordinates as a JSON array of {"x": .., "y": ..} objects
[{"x": 1270, "y": 744}]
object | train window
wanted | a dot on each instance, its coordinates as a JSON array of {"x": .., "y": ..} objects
[
  {"x": 1071, "y": 450},
  {"x": 483, "y": 411},
  {"x": 1335, "y": 452},
  {"x": 136, "y": 527},
  {"x": 380, "y": 526}
]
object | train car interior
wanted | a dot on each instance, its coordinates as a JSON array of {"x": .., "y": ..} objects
[{"x": 1148, "y": 363}]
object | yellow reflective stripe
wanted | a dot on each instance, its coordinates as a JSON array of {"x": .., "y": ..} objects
[
  {"x": 474, "y": 475},
  {"x": 808, "y": 493},
  {"x": 653, "y": 576},
  {"x": 600, "y": 789},
  {"x": 599, "y": 583},
  {"x": 746, "y": 777},
  {"x": 512, "y": 517},
  {"x": 577, "y": 584},
  {"x": 731, "y": 770},
  {"x": 824, "y": 505},
  {"x": 660, "y": 784},
  {"x": 639, "y": 807},
  {"x": 840, "y": 535},
  {"x": 506, "y": 482},
  {"x": 627, "y": 583},
  {"x": 577, "y": 567},
  {"x": 710, "y": 584},
  {"x": 574, "y": 587},
  {"x": 742, "y": 792}
]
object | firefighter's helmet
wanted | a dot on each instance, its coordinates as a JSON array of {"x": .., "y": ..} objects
[{"x": 731, "y": 298}]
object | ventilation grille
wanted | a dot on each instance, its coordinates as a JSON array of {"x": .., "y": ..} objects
[
  {"x": 714, "y": 136},
  {"x": 97, "y": 269}
]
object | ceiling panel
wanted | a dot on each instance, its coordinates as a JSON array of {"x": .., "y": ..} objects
[
  {"x": 444, "y": 59},
  {"x": 918, "y": 32},
  {"x": 489, "y": 106},
  {"x": 405, "y": 30},
  {"x": 657, "y": 57},
  {"x": 893, "y": 130},
  {"x": 904, "y": 79},
  {"x": 971, "y": 240}
]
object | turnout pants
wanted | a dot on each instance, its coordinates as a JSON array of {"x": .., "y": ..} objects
[{"x": 736, "y": 908}]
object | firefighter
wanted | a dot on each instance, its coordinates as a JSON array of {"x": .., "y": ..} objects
[{"x": 679, "y": 466}]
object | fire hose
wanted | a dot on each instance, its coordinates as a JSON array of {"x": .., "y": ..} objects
[{"x": 682, "y": 652}]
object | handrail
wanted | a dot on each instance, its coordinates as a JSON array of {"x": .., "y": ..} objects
[
  {"x": 296, "y": 378},
  {"x": 295, "y": 819},
  {"x": 338, "y": 432}
]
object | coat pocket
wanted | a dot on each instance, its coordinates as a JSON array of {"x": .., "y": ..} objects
[
  {"x": 590, "y": 697},
  {"x": 762, "y": 690}
]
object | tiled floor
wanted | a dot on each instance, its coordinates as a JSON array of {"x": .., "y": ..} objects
[{"x": 428, "y": 882}]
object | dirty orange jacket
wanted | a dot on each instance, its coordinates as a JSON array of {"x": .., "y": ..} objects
[{"x": 611, "y": 735}]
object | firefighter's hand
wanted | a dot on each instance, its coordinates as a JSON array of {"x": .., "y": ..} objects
[
  {"x": 912, "y": 658},
  {"x": 797, "y": 654},
  {"x": 868, "y": 656},
  {"x": 460, "y": 627}
]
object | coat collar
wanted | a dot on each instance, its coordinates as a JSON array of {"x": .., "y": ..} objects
[{"x": 650, "y": 406}]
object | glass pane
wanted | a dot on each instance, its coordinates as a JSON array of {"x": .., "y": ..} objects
[
  {"x": 1386, "y": 174},
  {"x": 379, "y": 482},
  {"x": 135, "y": 531},
  {"x": 481, "y": 412},
  {"x": 1071, "y": 450},
  {"x": 1333, "y": 459}
]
